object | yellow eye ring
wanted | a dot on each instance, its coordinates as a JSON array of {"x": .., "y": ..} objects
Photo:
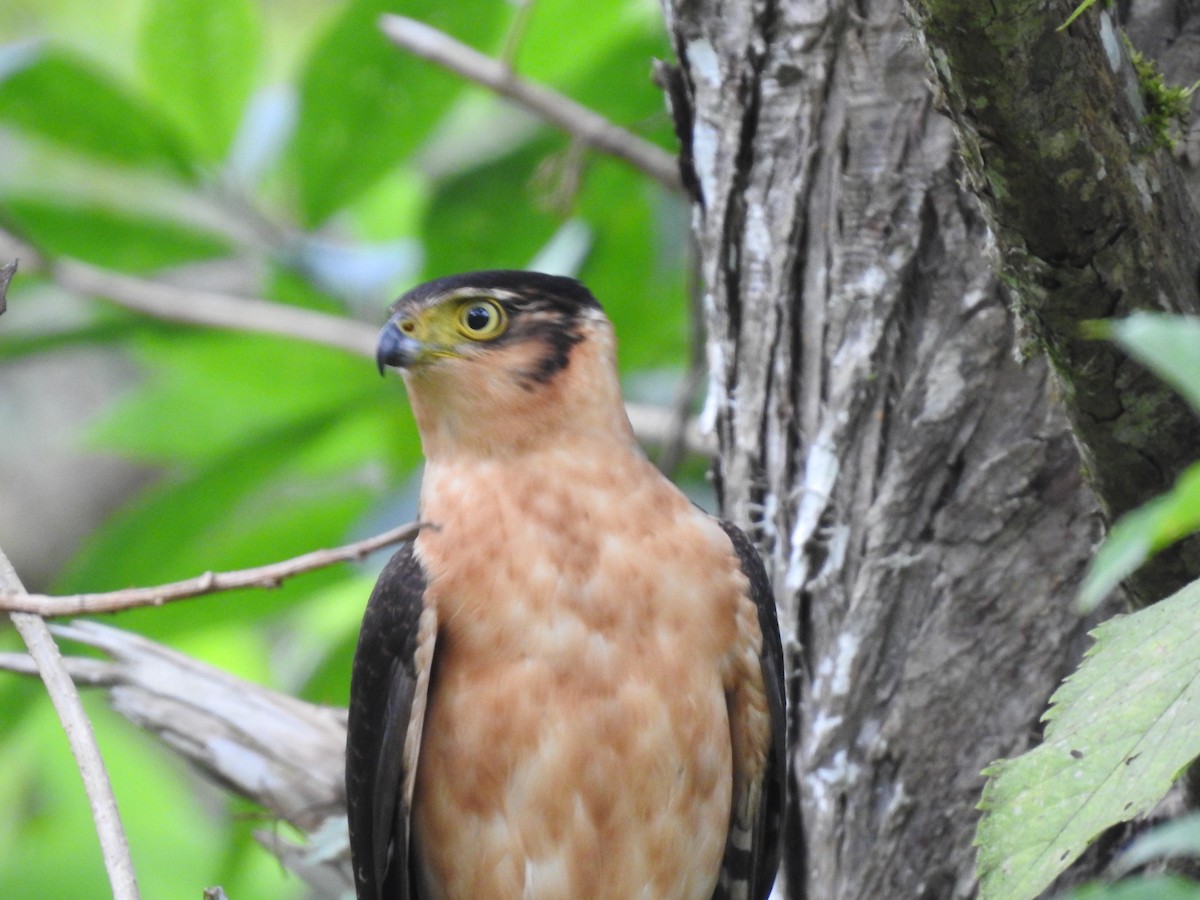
[{"x": 481, "y": 320}]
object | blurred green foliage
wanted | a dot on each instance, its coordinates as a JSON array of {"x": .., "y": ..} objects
[{"x": 289, "y": 147}]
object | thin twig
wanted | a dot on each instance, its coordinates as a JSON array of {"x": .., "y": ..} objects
[
  {"x": 268, "y": 576},
  {"x": 113, "y": 845},
  {"x": 583, "y": 123},
  {"x": 193, "y": 306},
  {"x": 516, "y": 32},
  {"x": 84, "y": 672}
]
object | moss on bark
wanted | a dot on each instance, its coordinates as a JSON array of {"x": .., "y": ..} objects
[{"x": 1093, "y": 221}]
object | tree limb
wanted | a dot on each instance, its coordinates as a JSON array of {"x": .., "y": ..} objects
[
  {"x": 49, "y": 663},
  {"x": 268, "y": 576},
  {"x": 199, "y": 307},
  {"x": 577, "y": 120}
]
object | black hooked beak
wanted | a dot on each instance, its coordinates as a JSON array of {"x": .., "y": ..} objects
[{"x": 395, "y": 348}]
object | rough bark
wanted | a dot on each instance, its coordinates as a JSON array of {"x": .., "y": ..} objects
[
  {"x": 1094, "y": 220},
  {"x": 913, "y": 484}
]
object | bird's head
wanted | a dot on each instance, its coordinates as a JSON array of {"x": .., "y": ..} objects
[{"x": 496, "y": 362}]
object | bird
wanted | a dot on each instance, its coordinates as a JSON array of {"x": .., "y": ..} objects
[{"x": 570, "y": 683}]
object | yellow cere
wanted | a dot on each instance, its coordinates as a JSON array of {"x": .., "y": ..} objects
[{"x": 440, "y": 329}]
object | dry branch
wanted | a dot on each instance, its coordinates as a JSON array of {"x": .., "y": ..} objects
[
  {"x": 48, "y": 663},
  {"x": 268, "y": 576},
  {"x": 580, "y": 122},
  {"x": 200, "y": 307}
]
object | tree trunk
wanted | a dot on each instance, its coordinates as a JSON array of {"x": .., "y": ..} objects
[
  {"x": 910, "y": 478},
  {"x": 1093, "y": 218}
]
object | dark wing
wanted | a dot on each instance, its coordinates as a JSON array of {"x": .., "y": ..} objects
[
  {"x": 388, "y": 688},
  {"x": 755, "y": 867}
]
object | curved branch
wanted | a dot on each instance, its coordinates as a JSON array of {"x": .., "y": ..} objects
[
  {"x": 577, "y": 120},
  {"x": 113, "y": 845},
  {"x": 268, "y": 576}
]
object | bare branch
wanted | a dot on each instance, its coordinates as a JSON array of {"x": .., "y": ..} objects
[
  {"x": 84, "y": 672},
  {"x": 577, "y": 120},
  {"x": 199, "y": 307},
  {"x": 289, "y": 751},
  {"x": 113, "y": 845},
  {"x": 193, "y": 306},
  {"x": 268, "y": 576}
]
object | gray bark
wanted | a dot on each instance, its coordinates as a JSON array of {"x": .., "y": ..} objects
[
  {"x": 1093, "y": 218},
  {"x": 913, "y": 483}
]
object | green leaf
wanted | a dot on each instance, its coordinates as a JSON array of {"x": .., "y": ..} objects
[
  {"x": 496, "y": 212},
  {"x": 1140, "y": 534},
  {"x": 278, "y": 448},
  {"x": 1162, "y": 887},
  {"x": 108, "y": 237},
  {"x": 1167, "y": 345},
  {"x": 1119, "y": 732},
  {"x": 323, "y": 632},
  {"x": 47, "y": 819},
  {"x": 200, "y": 58},
  {"x": 563, "y": 40},
  {"x": 636, "y": 267},
  {"x": 500, "y": 211},
  {"x": 365, "y": 105},
  {"x": 104, "y": 330},
  {"x": 57, "y": 96},
  {"x": 249, "y": 508},
  {"x": 492, "y": 214},
  {"x": 212, "y": 392},
  {"x": 618, "y": 83}
]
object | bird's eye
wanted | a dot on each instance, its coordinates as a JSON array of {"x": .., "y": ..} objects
[{"x": 481, "y": 320}]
